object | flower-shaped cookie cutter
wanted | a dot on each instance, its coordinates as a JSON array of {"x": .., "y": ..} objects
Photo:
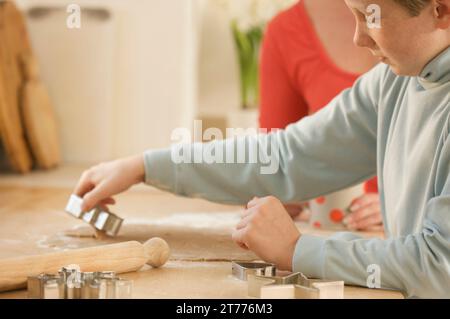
[{"x": 73, "y": 284}]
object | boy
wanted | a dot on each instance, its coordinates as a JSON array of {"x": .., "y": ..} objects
[{"x": 394, "y": 121}]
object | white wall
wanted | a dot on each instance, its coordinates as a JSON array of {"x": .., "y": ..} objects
[
  {"x": 128, "y": 99},
  {"x": 218, "y": 90},
  {"x": 157, "y": 65}
]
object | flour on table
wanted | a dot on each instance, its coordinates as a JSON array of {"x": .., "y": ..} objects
[{"x": 194, "y": 220}]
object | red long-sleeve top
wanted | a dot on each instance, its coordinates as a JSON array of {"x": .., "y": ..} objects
[{"x": 297, "y": 77}]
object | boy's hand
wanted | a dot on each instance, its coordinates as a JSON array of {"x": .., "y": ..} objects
[
  {"x": 365, "y": 213},
  {"x": 267, "y": 229},
  {"x": 98, "y": 184}
]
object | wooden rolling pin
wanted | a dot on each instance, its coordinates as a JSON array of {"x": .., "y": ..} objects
[{"x": 123, "y": 257}]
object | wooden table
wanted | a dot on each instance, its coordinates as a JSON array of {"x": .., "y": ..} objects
[{"x": 31, "y": 208}]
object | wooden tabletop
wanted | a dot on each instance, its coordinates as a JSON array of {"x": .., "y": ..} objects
[{"x": 31, "y": 212}]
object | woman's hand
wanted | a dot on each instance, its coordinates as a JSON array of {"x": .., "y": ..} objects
[
  {"x": 268, "y": 230},
  {"x": 298, "y": 211},
  {"x": 98, "y": 184},
  {"x": 365, "y": 213}
]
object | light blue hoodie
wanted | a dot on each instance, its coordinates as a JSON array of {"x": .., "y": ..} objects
[{"x": 394, "y": 126}]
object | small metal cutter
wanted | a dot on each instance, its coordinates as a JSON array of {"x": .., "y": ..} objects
[
  {"x": 241, "y": 269},
  {"x": 73, "y": 284},
  {"x": 100, "y": 219},
  {"x": 43, "y": 287},
  {"x": 293, "y": 286}
]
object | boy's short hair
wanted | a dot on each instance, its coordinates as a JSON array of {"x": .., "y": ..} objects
[{"x": 414, "y": 6}]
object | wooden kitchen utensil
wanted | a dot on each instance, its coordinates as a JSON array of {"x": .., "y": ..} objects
[
  {"x": 120, "y": 258},
  {"x": 38, "y": 116},
  {"x": 14, "y": 42}
]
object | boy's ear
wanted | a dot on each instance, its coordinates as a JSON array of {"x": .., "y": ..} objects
[{"x": 442, "y": 13}]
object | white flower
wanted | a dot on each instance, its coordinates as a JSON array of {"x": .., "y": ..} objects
[{"x": 253, "y": 13}]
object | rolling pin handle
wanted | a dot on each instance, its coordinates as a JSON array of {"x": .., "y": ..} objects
[{"x": 157, "y": 250}]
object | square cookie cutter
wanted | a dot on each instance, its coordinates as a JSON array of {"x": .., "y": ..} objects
[
  {"x": 99, "y": 218},
  {"x": 73, "y": 284},
  {"x": 241, "y": 269}
]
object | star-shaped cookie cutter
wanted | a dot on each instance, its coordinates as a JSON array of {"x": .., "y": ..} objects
[{"x": 293, "y": 286}]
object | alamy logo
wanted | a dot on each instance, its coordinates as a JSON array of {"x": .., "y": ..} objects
[
  {"x": 374, "y": 278},
  {"x": 242, "y": 146},
  {"x": 73, "y": 20},
  {"x": 374, "y": 19},
  {"x": 74, "y": 279}
]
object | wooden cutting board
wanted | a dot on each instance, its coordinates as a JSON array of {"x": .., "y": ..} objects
[
  {"x": 13, "y": 43},
  {"x": 38, "y": 116}
]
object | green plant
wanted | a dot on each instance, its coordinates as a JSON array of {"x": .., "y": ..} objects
[{"x": 248, "y": 43}]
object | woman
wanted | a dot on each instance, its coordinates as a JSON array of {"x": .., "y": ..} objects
[{"x": 308, "y": 58}]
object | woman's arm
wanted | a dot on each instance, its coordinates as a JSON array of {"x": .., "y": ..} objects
[{"x": 281, "y": 103}]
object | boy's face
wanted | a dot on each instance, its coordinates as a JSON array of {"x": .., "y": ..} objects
[{"x": 404, "y": 42}]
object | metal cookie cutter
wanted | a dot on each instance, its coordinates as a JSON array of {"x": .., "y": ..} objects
[
  {"x": 293, "y": 286},
  {"x": 72, "y": 284},
  {"x": 44, "y": 287},
  {"x": 241, "y": 269},
  {"x": 100, "y": 219}
]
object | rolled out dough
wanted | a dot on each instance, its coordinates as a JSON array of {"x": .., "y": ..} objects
[{"x": 186, "y": 243}]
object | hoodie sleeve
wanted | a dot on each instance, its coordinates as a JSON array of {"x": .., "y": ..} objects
[{"x": 333, "y": 149}]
